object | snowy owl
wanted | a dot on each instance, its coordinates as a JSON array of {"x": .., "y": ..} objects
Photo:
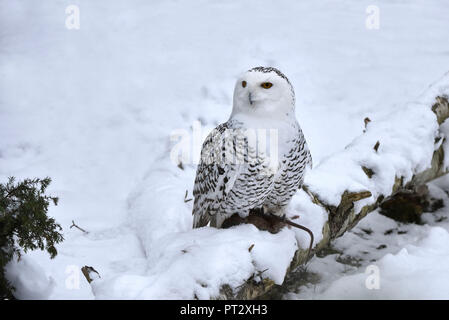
[{"x": 255, "y": 160}]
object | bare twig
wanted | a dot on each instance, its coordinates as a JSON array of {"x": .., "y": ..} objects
[
  {"x": 185, "y": 197},
  {"x": 366, "y": 121},
  {"x": 79, "y": 228}
]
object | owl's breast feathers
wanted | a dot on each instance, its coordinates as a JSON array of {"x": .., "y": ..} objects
[{"x": 232, "y": 177}]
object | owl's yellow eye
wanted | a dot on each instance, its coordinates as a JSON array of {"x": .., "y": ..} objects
[
  {"x": 266, "y": 85},
  {"x": 243, "y": 84}
]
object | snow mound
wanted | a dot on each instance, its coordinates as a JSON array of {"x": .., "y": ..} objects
[
  {"x": 195, "y": 264},
  {"x": 415, "y": 272},
  {"x": 29, "y": 279}
]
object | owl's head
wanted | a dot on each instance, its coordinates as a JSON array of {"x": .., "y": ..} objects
[{"x": 263, "y": 91}]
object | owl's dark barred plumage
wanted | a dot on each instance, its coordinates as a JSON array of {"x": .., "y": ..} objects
[{"x": 258, "y": 158}]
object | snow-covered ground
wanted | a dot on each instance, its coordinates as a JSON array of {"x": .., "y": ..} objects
[
  {"x": 97, "y": 109},
  {"x": 384, "y": 259}
]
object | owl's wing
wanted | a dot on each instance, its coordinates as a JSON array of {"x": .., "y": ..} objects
[
  {"x": 309, "y": 162},
  {"x": 214, "y": 177},
  {"x": 305, "y": 150}
]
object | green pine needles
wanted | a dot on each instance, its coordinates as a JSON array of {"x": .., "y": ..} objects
[{"x": 24, "y": 224}]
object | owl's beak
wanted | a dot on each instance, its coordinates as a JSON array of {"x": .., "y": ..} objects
[{"x": 250, "y": 99}]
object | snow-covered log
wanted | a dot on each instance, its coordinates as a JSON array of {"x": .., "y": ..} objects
[
  {"x": 400, "y": 151},
  {"x": 403, "y": 151}
]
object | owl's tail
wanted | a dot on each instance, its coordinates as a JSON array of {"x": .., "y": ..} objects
[{"x": 200, "y": 219}]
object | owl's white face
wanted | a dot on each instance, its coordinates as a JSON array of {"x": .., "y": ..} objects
[{"x": 263, "y": 92}]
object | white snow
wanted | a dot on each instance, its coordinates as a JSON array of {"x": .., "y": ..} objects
[
  {"x": 404, "y": 275},
  {"x": 29, "y": 279},
  {"x": 96, "y": 110},
  {"x": 412, "y": 260}
]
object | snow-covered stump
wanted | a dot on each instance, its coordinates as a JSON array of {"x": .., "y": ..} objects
[{"x": 400, "y": 153}]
